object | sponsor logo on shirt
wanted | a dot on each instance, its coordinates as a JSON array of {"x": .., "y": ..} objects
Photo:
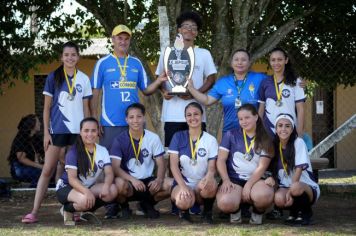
[
  {"x": 79, "y": 88},
  {"x": 110, "y": 70},
  {"x": 285, "y": 93},
  {"x": 134, "y": 70},
  {"x": 123, "y": 84},
  {"x": 202, "y": 152}
]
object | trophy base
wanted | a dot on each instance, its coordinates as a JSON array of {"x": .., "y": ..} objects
[{"x": 178, "y": 90}]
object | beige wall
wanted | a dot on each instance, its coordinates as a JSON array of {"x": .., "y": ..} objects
[{"x": 345, "y": 103}]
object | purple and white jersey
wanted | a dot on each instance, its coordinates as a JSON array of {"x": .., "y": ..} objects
[
  {"x": 238, "y": 167},
  {"x": 102, "y": 159},
  {"x": 151, "y": 148},
  {"x": 301, "y": 160},
  {"x": 65, "y": 115},
  {"x": 207, "y": 150},
  {"x": 290, "y": 96}
]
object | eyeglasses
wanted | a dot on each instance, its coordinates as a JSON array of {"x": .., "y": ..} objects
[{"x": 189, "y": 27}]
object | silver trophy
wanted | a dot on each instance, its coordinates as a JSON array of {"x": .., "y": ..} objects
[{"x": 178, "y": 65}]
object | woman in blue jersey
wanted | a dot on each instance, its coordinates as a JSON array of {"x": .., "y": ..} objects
[
  {"x": 282, "y": 93},
  {"x": 78, "y": 189},
  {"x": 234, "y": 90},
  {"x": 298, "y": 189},
  {"x": 66, "y": 103},
  {"x": 192, "y": 155},
  {"x": 244, "y": 155}
]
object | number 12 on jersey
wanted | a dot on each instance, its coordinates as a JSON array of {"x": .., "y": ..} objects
[{"x": 125, "y": 96}]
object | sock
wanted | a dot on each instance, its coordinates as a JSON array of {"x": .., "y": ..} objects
[
  {"x": 69, "y": 207},
  {"x": 301, "y": 203},
  {"x": 208, "y": 204},
  {"x": 98, "y": 203}
]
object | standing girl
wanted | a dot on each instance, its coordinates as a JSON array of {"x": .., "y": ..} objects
[
  {"x": 192, "y": 155},
  {"x": 244, "y": 155},
  {"x": 78, "y": 189},
  {"x": 281, "y": 93},
  {"x": 67, "y": 92},
  {"x": 298, "y": 189}
]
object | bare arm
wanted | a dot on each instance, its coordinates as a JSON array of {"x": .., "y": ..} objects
[
  {"x": 300, "y": 118},
  {"x": 174, "y": 164},
  {"x": 208, "y": 83},
  {"x": 221, "y": 164},
  {"x": 161, "y": 168},
  {"x": 261, "y": 109},
  {"x": 86, "y": 109},
  {"x": 155, "y": 85},
  {"x": 199, "y": 96},
  {"x": 297, "y": 174},
  {"x": 22, "y": 158},
  {"x": 94, "y": 103}
]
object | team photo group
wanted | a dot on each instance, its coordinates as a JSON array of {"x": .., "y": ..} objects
[{"x": 97, "y": 144}]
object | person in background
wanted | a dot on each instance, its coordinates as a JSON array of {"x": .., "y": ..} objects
[
  {"x": 66, "y": 103},
  {"x": 26, "y": 151},
  {"x": 79, "y": 188},
  {"x": 193, "y": 154}
]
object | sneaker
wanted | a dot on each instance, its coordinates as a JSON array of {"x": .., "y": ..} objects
[
  {"x": 236, "y": 217},
  {"x": 126, "y": 212},
  {"x": 112, "y": 211},
  {"x": 151, "y": 212},
  {"x": 275, "y": 214},
  {"x": 303, "y": 219},
  {"x": 256, "y": 219},
  {"x": 90, "y": 217},
  {"x": 68, "y": 218},
  {"x": 185, "y": 216},
  {"x": 291, "y": 218},
  {"x": 195, "y": 209},
  {"x": 139, "y": 209}
]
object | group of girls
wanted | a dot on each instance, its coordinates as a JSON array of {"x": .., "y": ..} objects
[{"x": 245, "y": 154}]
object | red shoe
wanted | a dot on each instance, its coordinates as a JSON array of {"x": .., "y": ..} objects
[{"x": 29, "y": 219}]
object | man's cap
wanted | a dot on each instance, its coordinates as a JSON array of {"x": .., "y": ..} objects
[{"x": 121, "y": 29}]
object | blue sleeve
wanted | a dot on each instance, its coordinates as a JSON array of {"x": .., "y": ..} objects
[
  {"x": 143, "y": 80},
  {"x": 50, "y": 85},
  {"x": 174, "y": 145},
  {"x": 225, "y": 141},
  {"x": 71, "y": 158},
  {"x": 96, "y": 79},
  {"x": 115, "y": 149},
  {"x": 214, "y": 91},
  {"x": 262, "y": 89}
]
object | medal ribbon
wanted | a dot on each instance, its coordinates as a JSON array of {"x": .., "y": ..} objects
[
  {"x": 91, "y": 159},
  {"x": 284, "y": 163},
  {"x": 248, "y": 147},
  {"x": 194, "y": 150},
  {"x": 70, "y": 88},
  {"x": 122, "y": 69},
  {"x": 239, "y": 88},
  {"x": 134, "y": 147},
  {"x": 278, "y": 91}
]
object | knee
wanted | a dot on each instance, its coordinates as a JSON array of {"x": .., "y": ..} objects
[
  {"x": 262, "y": 199},
  {"x": 279, "y": 200},
  {"x": 184, "y": 204},
  {"x": 122, "y": 186},
  {"x": 112, "y": 194},
  {"x": 296, "y": 189},
  {"x": 227, "y": 205}
]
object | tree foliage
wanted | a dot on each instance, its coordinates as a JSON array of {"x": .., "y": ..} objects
[{"x": 316, "y": 33}]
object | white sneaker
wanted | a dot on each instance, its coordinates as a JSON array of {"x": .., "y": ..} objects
[
  {"x": 236, "y": 217},
  {"x": 68, "y": 218},
  {"x": 256, "y": 219}
]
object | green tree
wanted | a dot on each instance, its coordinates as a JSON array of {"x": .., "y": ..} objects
[{"x": 257, "y": 25}]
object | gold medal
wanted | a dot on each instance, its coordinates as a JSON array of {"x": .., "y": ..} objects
[
  {"x": 70, "y": 87},
  {"x": 278, "y": 91},
  {"x": 193, "y": 162},
  {"x": 248, "y": 148},
  {"x": 91, "y": 171},
  {"x": 70, "y": 97},
  {"x": 136, "y": 152},
  {"x": 122, "y": 68},
  {"x": 193, "y": 150},
  {"x": 248, "y": 156},
  {"x": 137, "y": 162},
  {"x": 279, "y": 103}
]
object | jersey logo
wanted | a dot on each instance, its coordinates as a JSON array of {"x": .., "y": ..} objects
[
  {"x": 127, "y": 84},
  {"x": 134, "y": 70},
  {"x": 110, "y": 70},
  {"x": 100, "y": 164},
  {"x": 79, "y": 88},
  {"x": 202, "y": 152},
  {"x": 145, "y": 152},
  {"x": 114, "y": 84},
  {"x": 285, "y": 93}
]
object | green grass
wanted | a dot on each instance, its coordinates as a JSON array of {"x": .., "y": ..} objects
[{"x": 161, "y": 230}]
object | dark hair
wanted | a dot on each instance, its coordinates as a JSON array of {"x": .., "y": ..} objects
[
  {"x": 138, "y": 106},
  {"x": 189, "y": 15},
  {"x": 193, "y": 104},
  {"x": 25, "y": 126},
  {"x": 59, "y": 73},
  {"x": 82, "y": 157},
  {"x": 289, "y": 74},
  {"x": 289, "y": 152},
  {"x": 240, "y": 50},
  {"x": 262, "y": 139}
]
